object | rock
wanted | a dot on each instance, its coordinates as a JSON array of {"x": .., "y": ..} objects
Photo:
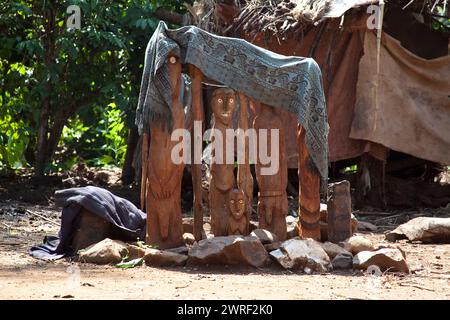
[
  {"x": 302, "y": 255},
  {"x": 135, "y": 252},
  {"x": 292, "y": 227},
  {"x": 253, "y": 225},
  {"x": 424, "y": 229},
  {"x": 386, "y": 259},
  {"x": 273, "y": 246},
  {"x": 264, "y": 236},
  {"x": 104, "y": 252},
  {"x": 180, "y": 250},
  {"x": 188, "y": 225},
  {"x": 357, "y": 244},
  {"x": 354, "y": 223},
  {"x": 91, "y": 229},
  {"x": 155, "y": 257},
  {"x": 342, "y": 261},
  {"x": 366, "y": 226},
  {"x": 323, "y": 222},
  {"x": 291, "y": 220},
  {"x": 339, "y": 207},
  {"x": 206, "y": 230},
  {"x": 379, "y": 246},
  {"x": 333, "y": 249},
  {"x": 188, "y": 238},
  {"x": 229, "y": 250}
]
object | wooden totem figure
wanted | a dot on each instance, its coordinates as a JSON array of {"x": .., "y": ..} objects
[
  {"x": 309, "y": 191},
  {"x": 161, "y": 176},
  {"x": 197, "y": 139},
  {"x": 238, "y": 220},
  {"x": 222, "y": 179},
  {"x": 272, "y": 198},
  {"x": 245, "y": 178}
]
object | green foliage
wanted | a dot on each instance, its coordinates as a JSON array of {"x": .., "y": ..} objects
[
  {"x": 441, "y": 21},
  {"x": 88, "y": 79}
]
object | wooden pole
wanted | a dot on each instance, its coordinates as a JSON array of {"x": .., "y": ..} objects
[
  {"x": 309, "y": 191},
  {"x": 144, "y": 157},
  {"x": 245, "y": 178},
  {"x": 197, "y": 139}
]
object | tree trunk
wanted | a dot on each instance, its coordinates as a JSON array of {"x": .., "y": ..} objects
[
  {"x": 42, "y": 139},
  {"x": 128, "y": 171}
]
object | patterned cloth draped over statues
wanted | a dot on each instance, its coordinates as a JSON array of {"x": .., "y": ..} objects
[{"x": 292, "y": 83}]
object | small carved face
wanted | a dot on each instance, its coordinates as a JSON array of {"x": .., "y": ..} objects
[
  {"x": 223, "y": 105},
  {"x": 237, "y": 203}
]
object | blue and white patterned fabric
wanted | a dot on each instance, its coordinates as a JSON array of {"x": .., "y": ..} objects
[{"x": 292, "y": 83}]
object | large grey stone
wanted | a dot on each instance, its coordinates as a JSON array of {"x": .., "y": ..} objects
[
  {"x": 342, "y": 261},
  {"x": 386, "y": 259},
  {"x": 104, "y": 252},
  {"x": 273, "y": 246},
  {"x": 188, "y": 238},
  {"x": 229, "y": 250},
  {"x": 357, "y": 244},
  {"x": 424, "y": 229},
  {"x": 292, "y": 226},
  {"x": 155, "y": 257},
  {"x": 264, "y": 236},
  {"x": 333, "y": 249},
  {"x": 302, "y": 255}
]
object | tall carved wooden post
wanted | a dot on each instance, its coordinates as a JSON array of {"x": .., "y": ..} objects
[
  {"x": 309, "y": 191},
  {"x": 272, "y": 202},
  {"x": 245, "y": 178},
  {"x": 222, "y": 172},
  {"x": 144, "y": 165},
  {"x": 197, "y": 138},
  {"x": 163, "y": 191}
]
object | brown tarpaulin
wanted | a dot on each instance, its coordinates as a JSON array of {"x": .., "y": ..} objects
[
  {"x": 412, "y": 114},
  {"x": 338, "y": 53}
]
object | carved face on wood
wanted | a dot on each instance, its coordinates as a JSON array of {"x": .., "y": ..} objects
[
  {"x": 223, "y": 105},
  {"x": 237, "y": 203}
]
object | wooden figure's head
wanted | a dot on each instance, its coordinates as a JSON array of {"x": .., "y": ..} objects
[
  {"x": 236, "y": 203},
  {"x": 223, "y": 103}
]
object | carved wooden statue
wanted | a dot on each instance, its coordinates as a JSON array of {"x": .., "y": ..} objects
[
  {"x": 272, "y": 200},
  {"x": 245, "y": 178},
  {"x": 309, "y": 191},
  {"x": 238, "y": 221},
  {"x": 162, "y": 177},
  {"x": 197, "y": 138},
  {"x": 222, "y": 180}
]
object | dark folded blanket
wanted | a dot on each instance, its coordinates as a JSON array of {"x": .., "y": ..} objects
[{"x": 120, "y": 212}]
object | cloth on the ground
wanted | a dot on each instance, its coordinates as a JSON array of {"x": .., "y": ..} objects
[
  {"x": 412, "y": 114},
  {"x": 117, "y": 211},
  {"x": 292, "y": 83}
]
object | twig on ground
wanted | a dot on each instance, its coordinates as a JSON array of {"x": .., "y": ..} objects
[
  {"x": 390, "y": 217},
  {"x": 415, "y": 286},
  {"x": 10, "y": 243},
  {"x": 181, "y": 287},
  {"x": 43, "y": 217},
  {"x": 8, "y": 226}
]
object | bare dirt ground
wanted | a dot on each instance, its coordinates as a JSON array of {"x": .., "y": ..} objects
[
  {"x": 22, "y": 277},
  {"x": 27, "y": 219}
]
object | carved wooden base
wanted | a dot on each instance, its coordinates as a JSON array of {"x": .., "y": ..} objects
[
  {"x": 163, "y": 176},
  {"x": 272, "y": 202},
  {"x": 309, "y": 192}
]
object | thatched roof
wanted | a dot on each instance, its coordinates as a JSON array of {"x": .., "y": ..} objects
[
  {"x": 281, "y": 16},
  {"x": 225, "y": 17}
]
